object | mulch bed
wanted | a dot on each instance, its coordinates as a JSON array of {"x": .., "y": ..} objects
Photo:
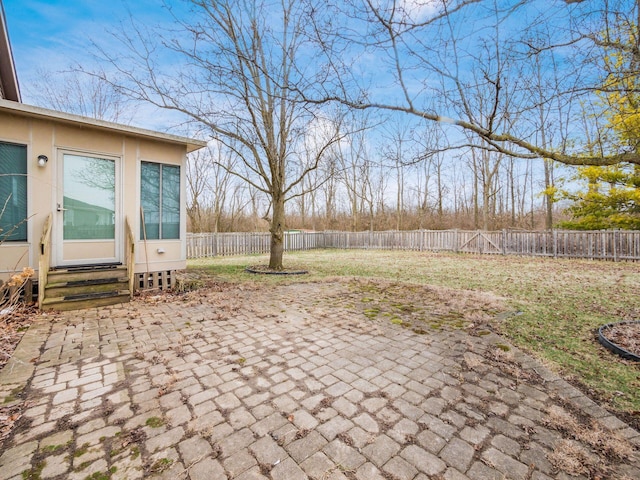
[
  {"x": 625, "y": 335},
  {"x": 265, "y": 270}
]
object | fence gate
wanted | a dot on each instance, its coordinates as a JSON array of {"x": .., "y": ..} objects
[{"x": 479, "y": 242}]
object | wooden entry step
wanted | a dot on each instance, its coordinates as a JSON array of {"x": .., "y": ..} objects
[{"x": 76, "y": 288}]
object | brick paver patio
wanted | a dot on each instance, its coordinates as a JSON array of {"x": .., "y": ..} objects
[{"x": 287, "y": 382}]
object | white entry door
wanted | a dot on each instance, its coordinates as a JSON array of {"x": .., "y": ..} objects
[{"x": 87, "y": 209}]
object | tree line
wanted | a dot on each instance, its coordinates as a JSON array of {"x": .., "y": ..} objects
[{"x": 384, "y": 187}]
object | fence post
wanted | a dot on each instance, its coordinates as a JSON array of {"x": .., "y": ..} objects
[
  {"x": 616, "y": 237},
  {"x": 504, "y": 241},
  {"x": 555, "y": 243},
  {"x": 455, "y": 240}
]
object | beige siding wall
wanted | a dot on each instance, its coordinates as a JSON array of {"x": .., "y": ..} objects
[{"x": 49, "y": 137}]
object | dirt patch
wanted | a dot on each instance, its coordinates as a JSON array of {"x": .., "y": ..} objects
[
  {"x": 571, "y": 457},
  {"x": 9, "y": 416},
  {"x": 198, "y": 283},
  {"x": 423, "y": 308},
  {"x": 605, "y": 447}
]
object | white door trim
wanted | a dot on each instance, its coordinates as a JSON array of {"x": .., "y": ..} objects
[{"x": 58, "y": 223}]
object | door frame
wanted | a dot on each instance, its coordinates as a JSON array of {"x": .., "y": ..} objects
[{"x": 58, "y": 243}]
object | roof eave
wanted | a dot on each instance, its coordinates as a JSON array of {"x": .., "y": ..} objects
[
  {"x": 8, "y": 75},
  {"x": 39, "y": 112}
]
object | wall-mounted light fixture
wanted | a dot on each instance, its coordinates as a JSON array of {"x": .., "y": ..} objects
[{"x": 42, "y": 160}]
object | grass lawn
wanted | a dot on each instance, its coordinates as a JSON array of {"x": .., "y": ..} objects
[{"x": 554, "y": 306}]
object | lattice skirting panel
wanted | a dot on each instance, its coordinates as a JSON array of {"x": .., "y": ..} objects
[{"x": 163, "y": 280}]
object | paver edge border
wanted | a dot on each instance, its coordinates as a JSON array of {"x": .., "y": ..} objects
[{"x": 20, "y": 367}]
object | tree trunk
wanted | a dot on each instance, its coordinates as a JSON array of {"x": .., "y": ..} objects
[
  {"x": 548, "y": 197},
  {"x": 440, "y": 193},
  {"x": 313, "y": 209},
  {"x": 303, "y": 210},
  {"x": 510, "y": 194},
  {"x": 277, "y": 233},
  {"x": 485, "y": 206},
  {"x": 476, "y": 193},
  {"x": 400, "y": 196}
]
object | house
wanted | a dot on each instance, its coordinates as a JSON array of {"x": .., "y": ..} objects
[{"x": 97, "y": 208}]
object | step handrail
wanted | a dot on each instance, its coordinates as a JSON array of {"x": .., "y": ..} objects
[
  {"x": 130, "y": 254},
  {"x": 44, "y": 261}
]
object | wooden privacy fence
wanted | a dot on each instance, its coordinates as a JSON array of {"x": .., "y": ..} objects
[
  {"x": 612, "y": 245},
  {"x": 200, "y": 245}
]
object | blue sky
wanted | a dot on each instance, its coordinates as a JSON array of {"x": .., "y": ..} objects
[
  {"x": 55, "y": 34},
  {"x": 48, "y": 33}
]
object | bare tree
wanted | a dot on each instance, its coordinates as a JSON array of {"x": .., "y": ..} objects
[
  {"x": 239, "y": 200},
  {"x": 423, "y": 189},
  {"x": 208, "y": 184},
  {"x": 307, "y": 191},
  {"x": 329, "y": 188},
  {"x": 351, "y": 166},
  {"x": 417, "y": 44},
  {"x": 243, "y": 66},
  {"x": 542, "y": 74},
  {"x": 197, "y": 174},
  {"x": 74, "y": 92},
  {"x": 397, "y": 156},
  {"x": 432, "y": 147},
  {"x": 354, "y": 169}
]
